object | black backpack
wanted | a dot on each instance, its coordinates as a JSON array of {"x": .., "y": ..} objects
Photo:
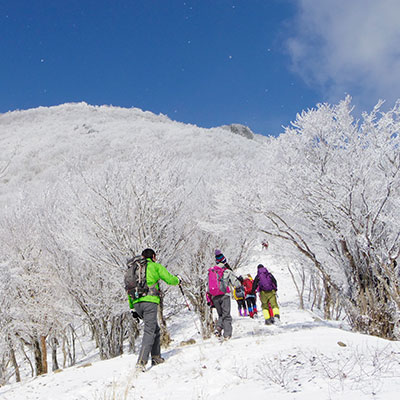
[
  {"x": 135, "y": 277},
  {"x": 240, "y": 293}
]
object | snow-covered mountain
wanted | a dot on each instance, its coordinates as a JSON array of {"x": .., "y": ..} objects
[
  {"x": 45, "y": 149},
  {"x": 45, "y": 142}
]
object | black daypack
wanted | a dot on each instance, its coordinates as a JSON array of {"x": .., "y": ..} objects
[{"x": 135, "y": 277}]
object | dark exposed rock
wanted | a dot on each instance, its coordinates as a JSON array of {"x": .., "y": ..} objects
[{"x": 239, "y": 129}]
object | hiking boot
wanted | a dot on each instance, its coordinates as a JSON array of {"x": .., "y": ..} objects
[
  {"x": 268, "y": 321},
  {"x": 140, "y": 366},
  {"x": 155, "y": 360},
  {"x": 218, "y": 331},
  {"x": 277, "y": 316}
]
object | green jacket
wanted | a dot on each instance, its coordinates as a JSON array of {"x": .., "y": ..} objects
[{"x": 154, "y": 273}]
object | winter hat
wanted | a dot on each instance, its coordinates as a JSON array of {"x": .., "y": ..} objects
[
  {"x": 219, "y": 257},
  {"x": 240, "y": 278},
  {"x": 260, "y": 266}
]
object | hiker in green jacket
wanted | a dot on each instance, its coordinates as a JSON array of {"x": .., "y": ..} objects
[{"x": 146, "y": 308}]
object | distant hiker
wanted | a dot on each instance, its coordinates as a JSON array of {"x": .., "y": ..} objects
[
  {"x": 238, "y": 295},
  {"x": 268, "y": 286},
  {"x": 250, "y": 296},
  {"x": 265, "y": 244},
  {"x": 219, "y": 279},
  {"x": 146, "y": 306}
]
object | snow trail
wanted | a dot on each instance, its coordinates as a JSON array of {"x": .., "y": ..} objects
[{"x": 299, "y": 358}]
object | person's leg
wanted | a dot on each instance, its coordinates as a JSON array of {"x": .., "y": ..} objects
[
  {"x": 265, "y": 296},
  {"x": 148, "y": 312},
  {"x": 239, "y": 308},
  {"x": 217, "y": 301},
  {"x": 274, "y": 304},
  {"x": 242, "y": 307},
  {"x": 249, "y": 305},
  {"x": 226, "y": 316},
  {"x": 254, "y": 300},
  {"x": 156, "y": 349}
]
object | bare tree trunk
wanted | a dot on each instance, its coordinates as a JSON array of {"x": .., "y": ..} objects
[
  {"x": 73, "y": 336},
  {"x": 27, "y": 359},
  {"x": 43, "y": 350},
  {"x": 165, "y": 336},
  {"x": 38, "y": 357},
  {"x": 54, "y": 344},
  {"x": 67, "y": 347},
  {"x": 64, "y": 351},
  {"x": 3, "y": 369},
  {"x": 299, "y": 289},
  {"x": 132, "y": 332},
  {"x": 327, "y": 301},
  {"x": 14, "y": 363}
]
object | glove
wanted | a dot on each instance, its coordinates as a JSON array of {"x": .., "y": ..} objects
[
  {"x": 135, "y": 315},
  {"x": 209, "y": 300},
  {"x": 180, "y": 279}
]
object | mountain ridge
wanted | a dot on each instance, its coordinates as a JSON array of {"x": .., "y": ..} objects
[{"x": 40, "y": 141}]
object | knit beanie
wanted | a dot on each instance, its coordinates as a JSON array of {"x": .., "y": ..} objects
[{"x": 219, "y": 257}]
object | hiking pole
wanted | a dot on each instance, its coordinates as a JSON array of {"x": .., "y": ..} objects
[
  {"x": 187, "y": 305},
  {"x": 183, "y": 294}
]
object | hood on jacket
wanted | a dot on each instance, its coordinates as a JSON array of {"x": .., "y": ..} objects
[{"x": 260, "y": 266}]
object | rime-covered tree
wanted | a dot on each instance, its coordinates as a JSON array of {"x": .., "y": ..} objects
[{"x": 337, "y": 181}]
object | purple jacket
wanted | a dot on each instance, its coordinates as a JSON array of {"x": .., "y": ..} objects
[{"x": 264, "y": 280}]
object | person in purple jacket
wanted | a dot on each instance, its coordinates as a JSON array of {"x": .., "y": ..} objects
[{"x": 267, "y": 285}]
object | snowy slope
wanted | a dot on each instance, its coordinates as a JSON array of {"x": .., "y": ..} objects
[
  {"x": 303, "y": 357},
  {"x": 45, "y": 142}
]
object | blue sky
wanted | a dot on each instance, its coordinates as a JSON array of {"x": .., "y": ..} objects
[{"x": 255, "y": 62}]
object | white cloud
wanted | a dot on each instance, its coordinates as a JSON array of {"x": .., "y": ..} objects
[{"x": 349, "y": 46}]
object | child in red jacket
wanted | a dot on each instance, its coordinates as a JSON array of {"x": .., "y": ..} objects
[{"x": 250, "y": 296}]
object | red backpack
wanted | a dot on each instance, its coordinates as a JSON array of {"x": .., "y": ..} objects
[
  {"x": 216, "y": 286},
  {"x": 248, "y": 285}
]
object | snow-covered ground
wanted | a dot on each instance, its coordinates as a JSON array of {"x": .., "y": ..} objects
[{"x": 303, "y": 357}]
